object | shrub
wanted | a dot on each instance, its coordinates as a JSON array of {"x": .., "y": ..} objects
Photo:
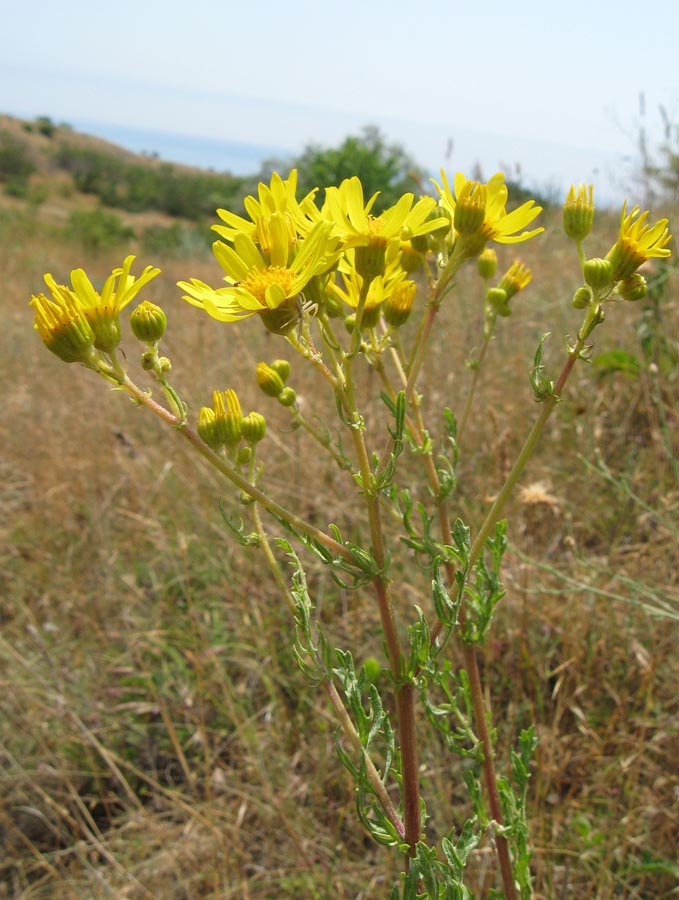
[{"x": 97, "y": 229}]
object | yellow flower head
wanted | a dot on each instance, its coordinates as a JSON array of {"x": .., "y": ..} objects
[
  {"x": 637, "y": 243},
  {"x": 62, "y": 327},
  {"x": 515, "y": 279},
  {"x": 356, "y": 226},
  {"x": 496, "y": 224},
  {"x": 279, "y": 197},
  {"x": 269, "y": 286},
  {"x": 100, "y": 311},
  {"x": 379, "y": 289}
]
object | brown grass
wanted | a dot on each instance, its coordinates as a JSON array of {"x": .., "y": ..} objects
[{"x": 157, "y": 739}]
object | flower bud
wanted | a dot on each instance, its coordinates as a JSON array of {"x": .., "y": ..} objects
[
  {"x": 597, "y": 273},
  {"x": 62, "y": 327},
  {"x": 282, "y": 366},
  {"x": 487, "y": 263},
  {"x": 397, "y": 307},
  {"x": 148, "y": 322},
  {"x": 578, "y": 212},
  {"x": 287, "y": 396},
  {"x": 269, "y": 380},
  {"x": 515, "y": 279},
  {"x": 633, "y": 287},
  {"x": 244, "y": 455},
  {"x": 253, "y": 427},
  {"x": 497, "y": 297},
  {"x": 207, "y": 427},
  {"x": 148, "y": 360},
  {"x": 582, "y": 297},
  {"x": 228, "y": 415},
  {"x": 411, "y": 259}
]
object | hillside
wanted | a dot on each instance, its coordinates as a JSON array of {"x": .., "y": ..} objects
[{"x": 56, "y": 170}]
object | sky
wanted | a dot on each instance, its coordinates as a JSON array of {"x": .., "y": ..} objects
[{"x": 553, "y": 88}]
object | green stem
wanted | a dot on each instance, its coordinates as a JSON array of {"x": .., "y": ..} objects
[
  {"x": 304, "y": 527},
  {"x": 472, "y": 389}
]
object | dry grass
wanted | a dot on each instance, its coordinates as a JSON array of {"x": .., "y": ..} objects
[{"x": 157, "y": 739}]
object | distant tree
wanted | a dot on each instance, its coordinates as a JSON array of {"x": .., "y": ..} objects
[{"x": 381, "y": 166}]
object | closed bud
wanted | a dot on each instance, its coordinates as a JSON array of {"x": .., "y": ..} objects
[
  {"x": 487, "y": 263},
  {"x": 582, "y": 297},
  {"x": 269, "y": 380},
  {"x": 282, "y": 366},
  {"x": 598, "y": 273},
  {"x": 148, "y": 322},
  {"x": 148, "y": 360},
  {"x": 228, "y": 415},
  {"x": 397, "y": 307},
  {"x": 497, "y": 297},
  {"x": 253, "y": 427},
  {"x": 287, "y": 396},
  {"x": 411, "y": 259},
  {"x": 207, "y": 428},
  {"x": 578, "y": 212},
  {"x": 633, "y": 287},
  {"x": 244, "y": 455}
]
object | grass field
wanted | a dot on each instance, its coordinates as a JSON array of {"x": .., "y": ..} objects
[{"x": 157, "y": 739}]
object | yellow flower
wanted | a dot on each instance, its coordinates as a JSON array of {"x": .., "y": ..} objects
[
  {"x": 269, "y": 286},
  {"x": 637, "y": 243},
  {"x": 62, "y": 326},
  {"x": 496, "y": 224},
  {"x": 100, "y": 311},
  {"x": 276, "y": 198},
  {"x": 379, "y": 289},
  {"x": 355, "y": 225},
  {"x": 515, "y": 279}
]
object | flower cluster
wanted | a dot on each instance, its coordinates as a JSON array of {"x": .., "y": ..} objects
[{"x": 293, "y": 255}]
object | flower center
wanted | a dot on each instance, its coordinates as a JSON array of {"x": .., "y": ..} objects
[{"x": 258, "y": 281}]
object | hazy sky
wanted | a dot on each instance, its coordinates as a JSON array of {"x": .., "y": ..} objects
[{"x": 552, "y": 86}]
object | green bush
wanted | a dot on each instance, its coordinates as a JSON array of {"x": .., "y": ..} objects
[
  {"x": 138, "y": 187},
  {"x": 97, "y": 229},
  {"x": 380, "y": 167},
  {"x": 15, "y": 161}
]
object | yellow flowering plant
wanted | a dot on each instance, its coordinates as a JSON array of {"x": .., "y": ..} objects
[{"x": 297, "y": 266}]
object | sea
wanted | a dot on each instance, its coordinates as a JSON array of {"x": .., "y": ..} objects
[{"x": 235, "y": 157}]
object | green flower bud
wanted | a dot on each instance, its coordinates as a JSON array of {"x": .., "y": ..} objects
[
  {"x": 282, "y": 366},
  {"x": 598, "y": 273},
  {"x": 269, "y": 380},
  {"x": 148, "y": 360},
  {"x": 253, "y": 427},
  {"x": 287, "y": 396},
  {"x": 582, "y": 297},
  {"x": 487, "y": 263},
  {"x": 633, "y": 287},
  {"x": 148, "y": 322},
  {"x": 497, "y": 297},
  {"x": 578, "y": 212},
  {"x": 207, "y": 427},
  {"x": 244, "y": 455},
  {"x": 228, "y": 415}
]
